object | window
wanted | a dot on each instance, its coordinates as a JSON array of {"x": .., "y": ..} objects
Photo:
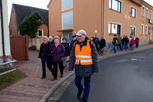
[
  {"x": 142, "y": 29},
  {"x": 115, "y": 5},
  {"x": 143, "y": 10},
  {"x": 146, "y": 32},
  {"x": 147, "y": 12},
  {"x": 132, "y": 31},
  {"x": 67, "y": 4},
  {"x": 114, "y": 28},
  {"x": 133, "y": 12},
  {"x": 151, "y": 15},
  {"x": 67, "y": 20},
  {"x": 40, "y": 33}
]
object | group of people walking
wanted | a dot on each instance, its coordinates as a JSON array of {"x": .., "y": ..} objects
[
  {"x": 83, "y": 57},
  {"x": 53, "y": 53},
  {"x": 83, "y": 54},
  {"x": 124, "y": 43}
]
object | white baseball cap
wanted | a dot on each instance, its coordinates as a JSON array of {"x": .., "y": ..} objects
[{"x": 81, "y": 32}]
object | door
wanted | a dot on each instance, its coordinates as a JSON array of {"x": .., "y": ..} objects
[
  {"x": 68, "y": 35},
  {"x": 19, "y": 47}
]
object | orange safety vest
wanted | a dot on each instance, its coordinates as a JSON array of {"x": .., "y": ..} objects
[{"x": 84, "y": 56}]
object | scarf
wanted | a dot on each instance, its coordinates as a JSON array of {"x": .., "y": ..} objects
[
  {"x": 57, "y": 44},
  {"x": 45, "y": 43}
]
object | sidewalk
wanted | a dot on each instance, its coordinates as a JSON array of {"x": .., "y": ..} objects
[{"x": 32, "y": 88}]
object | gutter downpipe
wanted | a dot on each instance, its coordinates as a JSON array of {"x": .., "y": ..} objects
[
  {"x": 1, "y": 10},
  {"x": 103, "y": 18}
]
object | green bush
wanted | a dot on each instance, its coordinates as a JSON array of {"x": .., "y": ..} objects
[{"x": 33, "y": 47}]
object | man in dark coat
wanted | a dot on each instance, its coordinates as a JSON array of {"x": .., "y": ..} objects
[
  {"x": 83, "y": 67},
  {"x": 96, "y": 41},
  {"x": 102, "y": 45},
  {"x": 72, "y": 42},
  {"x": 124, "y": 43},
  {"x": 115, "y": 43}
]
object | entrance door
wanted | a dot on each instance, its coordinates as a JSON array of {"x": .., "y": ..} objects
[
  {"x": 68, "y": 35},
  {"x": 19, "y": 47},
  {"x": 150, "y": 33}
]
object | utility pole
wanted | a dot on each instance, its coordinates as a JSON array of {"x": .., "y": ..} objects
[{"x": 2, "y": 29}]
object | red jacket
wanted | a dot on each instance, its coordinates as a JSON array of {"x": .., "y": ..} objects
[
  {"x": 132, "y": 42},
  {"x": 137, "y": 40}
]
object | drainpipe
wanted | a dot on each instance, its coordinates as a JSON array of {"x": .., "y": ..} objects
[
  {"x": 2, "y": 29},
  {"x": 103, "y": 18}
]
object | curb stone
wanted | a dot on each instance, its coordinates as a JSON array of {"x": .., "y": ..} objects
[{"x": 46, "y": 96}]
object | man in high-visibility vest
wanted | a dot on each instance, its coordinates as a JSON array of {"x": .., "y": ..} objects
[{"x": 84, "y": 58}]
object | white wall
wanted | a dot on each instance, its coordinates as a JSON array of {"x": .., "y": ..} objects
[{"x": 6, "y": 30}]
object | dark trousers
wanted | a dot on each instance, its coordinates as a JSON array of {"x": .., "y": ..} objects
[
  {"x": 97, "y": 48},
  {"x": 137, "y": 44},
  {"x": 49, "y": 65},
  {"x": 55, "y": 68},
  {"x": 119, "y": 45},
  {"x": 86, "y": 84}
]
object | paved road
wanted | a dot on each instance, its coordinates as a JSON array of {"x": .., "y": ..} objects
[{"x": 120, "y": 80}]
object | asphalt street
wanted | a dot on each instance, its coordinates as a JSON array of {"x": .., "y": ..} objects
[{"x": 125, "y": 78}]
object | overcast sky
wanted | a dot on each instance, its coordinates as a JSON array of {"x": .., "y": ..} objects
[{"x": 38, "y": 3}]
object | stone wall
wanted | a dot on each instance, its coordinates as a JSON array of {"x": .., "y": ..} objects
[{"x": 35, "y": 41}]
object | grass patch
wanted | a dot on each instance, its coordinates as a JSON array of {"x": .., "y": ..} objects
[
  {"x": 5, "y": 69},
  {"x": 10, "y": 78}
]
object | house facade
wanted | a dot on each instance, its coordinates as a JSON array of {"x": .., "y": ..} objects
[
  {"x": 4, "y": 47},
  {"x": 101, "y": 17},
  {"x": 18, "y": 15}
]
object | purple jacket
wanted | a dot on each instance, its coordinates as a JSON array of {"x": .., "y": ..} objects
[{"x": 57, "y": 53}]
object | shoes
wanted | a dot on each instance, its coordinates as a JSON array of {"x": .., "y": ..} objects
[
  {"x": 79, "y": 94},
  {"x": 61, "y": 76},
  {"x": 84, "y": 100},
  {"x": 63, "y": 67},
  {"x": 43, "y": 77},
  {"x": 54, "y": 79}
]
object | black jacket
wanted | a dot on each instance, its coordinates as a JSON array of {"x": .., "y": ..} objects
[
  {"x": 52, "y": 42},
  {"x": 44, "y": 51},
  {"x": 102, "y": 43},
  {"x": 115, "y": 41},
  {"x": 123, "y": 41},
  {"x": 72, "y": 42},
  {"x": 67, "y": 49}
]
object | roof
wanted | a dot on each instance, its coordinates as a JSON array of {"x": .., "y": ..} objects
[
  {"x": 49, "y": 3},
  {"x": 147, "y": 3},
  {"x": 24, "y": 11}
]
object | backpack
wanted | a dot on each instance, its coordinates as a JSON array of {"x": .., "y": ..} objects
[{"x": 115, "y": 41}]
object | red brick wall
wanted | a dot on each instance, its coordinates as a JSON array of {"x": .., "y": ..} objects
[
  {"x": 13, "y": 22},
  {"x": 43, "y": 27}
]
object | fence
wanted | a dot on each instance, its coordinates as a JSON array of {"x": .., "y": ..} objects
[{"x": 9, "y": 62}]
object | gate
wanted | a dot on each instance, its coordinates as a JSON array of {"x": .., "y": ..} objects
[{"x": 19, "y": 47}]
